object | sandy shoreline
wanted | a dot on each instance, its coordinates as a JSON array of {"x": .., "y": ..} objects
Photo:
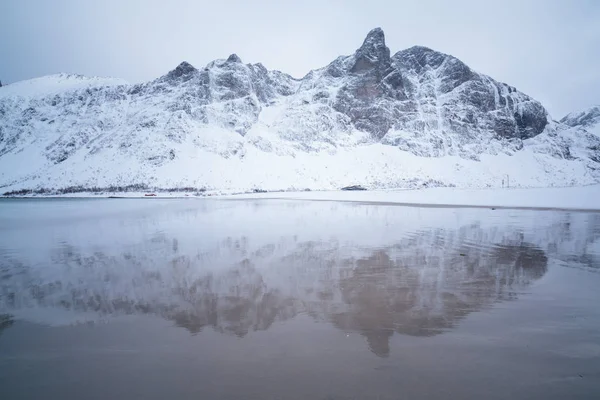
[{"x": 581, "y": 198}]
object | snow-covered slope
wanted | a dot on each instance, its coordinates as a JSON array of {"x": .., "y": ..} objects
[
  {"x": 55, "y": 84},
  {"x": 588, "y": 119},
  {"x": 416, "y": 117}
]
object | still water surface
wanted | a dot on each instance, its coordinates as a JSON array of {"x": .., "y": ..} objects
[{"x": 270, "y": 299}]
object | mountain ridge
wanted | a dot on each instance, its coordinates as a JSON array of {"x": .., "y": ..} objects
[
  {"x": 588, "y": 119},
  {"x": 417, "y": 106}
]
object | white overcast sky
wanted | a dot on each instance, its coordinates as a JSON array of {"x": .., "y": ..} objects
[{"x": 546, "y": 48}]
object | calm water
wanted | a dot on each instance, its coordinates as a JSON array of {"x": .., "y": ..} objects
[{"x": 217, "y": 299}]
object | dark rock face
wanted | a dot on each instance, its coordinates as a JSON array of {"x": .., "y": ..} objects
[
  {"x": 373, "y": 54},
  {"x": 354, "y": 187},
  {"x": 234, "y": 58},
  {"x": 531, "y": 121},
  {"x": 371, "y": 84},
  {"x": 183, "y": 70},
  {"x": 423, "y": 93},
  {"x": 464, "y": 101}
]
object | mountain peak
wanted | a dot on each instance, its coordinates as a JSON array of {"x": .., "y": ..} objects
[
  {"x": 183, "y": 69},
  {"x": 372, "y": 52},
  {"x": 582, "y": 117},
  {"x": 234, "y": 58},
  {"x": 375, "y": 41},
  {"x": 588, "y": 119},
  {"x": 375, "y": 34}
]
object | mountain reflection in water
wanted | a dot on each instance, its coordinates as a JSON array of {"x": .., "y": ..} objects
[{"x": 421, "y": 285}]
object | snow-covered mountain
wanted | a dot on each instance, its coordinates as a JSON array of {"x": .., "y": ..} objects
[
  {"x": 371, "y": 118},
  {"x": 588, "y": 119}
]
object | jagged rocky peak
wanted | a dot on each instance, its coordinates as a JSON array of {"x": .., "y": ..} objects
[
  {"x": 234, "y": 58},
  {"x": 184, "y": 69},
  {"x": 475, "y": 105},
  {"x": 419, "y": 59},
  {"x": 368, "y": 84},
  {"x": 373, "y": 52},
  {"x": 584, "y": 118}
]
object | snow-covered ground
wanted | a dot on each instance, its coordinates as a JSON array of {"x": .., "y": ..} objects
[
  {"x": 375, "y": 166},
  {"x": 567, "y": 198},
  {"x": 575, "y": 198}
]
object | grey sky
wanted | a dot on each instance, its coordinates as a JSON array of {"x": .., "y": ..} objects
[{"x": 548, "y": 49}]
